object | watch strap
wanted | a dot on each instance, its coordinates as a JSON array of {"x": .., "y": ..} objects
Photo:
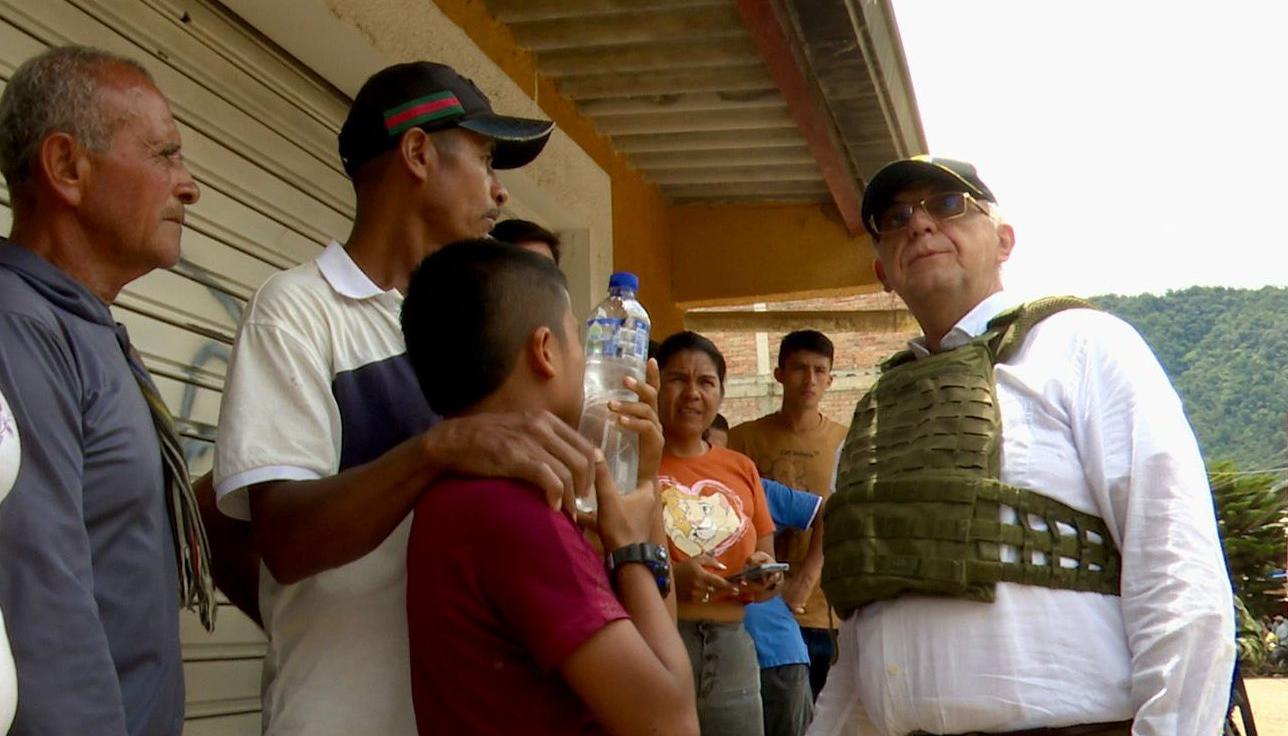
[{"x": 655, "y": 557}]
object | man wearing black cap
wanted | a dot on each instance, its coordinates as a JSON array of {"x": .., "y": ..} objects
[
  {"x": 325, "y": 439},
  {"x": 1022, "y": 537}
]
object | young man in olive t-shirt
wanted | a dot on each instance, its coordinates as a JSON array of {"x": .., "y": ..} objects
[{"x": 797, "y": 446}]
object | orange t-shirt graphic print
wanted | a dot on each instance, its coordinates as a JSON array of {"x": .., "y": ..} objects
[
  {"x": 713, "y": 504},
  {"x": 705, "y": 519}
]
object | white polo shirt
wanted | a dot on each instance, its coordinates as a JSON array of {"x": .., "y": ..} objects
[{"x": 318, "y": 382}]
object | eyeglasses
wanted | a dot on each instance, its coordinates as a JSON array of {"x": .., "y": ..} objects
[{"x": 943, "y": 206}]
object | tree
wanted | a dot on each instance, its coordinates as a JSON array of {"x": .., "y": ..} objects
[
  {"x": 1250, "y": 517},
  {"x": 1226, "y": 352}
]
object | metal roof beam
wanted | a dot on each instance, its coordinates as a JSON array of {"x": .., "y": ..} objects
[
  {"x": 648, "y": 57},
  {"x": 766, "y": 191},
  {"x": 690, "y": 102},
  {"x": 679, "y": 122},
  {"x": 747, "y": 157},
  {"x": 686, "y": 24},
  {"x": 679, "y": 81},
  {"x": 736, "y": 174},
  {"x": 882, "y": 45},
  {"x": 774, "y": 42},
  {"x": 706, "y": 141},
  {"x": 518, "y": 11}
]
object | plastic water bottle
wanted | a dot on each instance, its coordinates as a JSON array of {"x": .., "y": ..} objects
[{"x": 616, "y": 347}]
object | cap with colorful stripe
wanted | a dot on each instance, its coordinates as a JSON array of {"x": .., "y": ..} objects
[
  {"x": 432, "y": 96},
  {"x": 422, "y": 110}
]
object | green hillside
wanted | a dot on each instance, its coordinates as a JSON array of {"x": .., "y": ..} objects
[{"x": 1226, "y": 351}]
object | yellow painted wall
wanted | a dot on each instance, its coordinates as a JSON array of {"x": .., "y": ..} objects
[
  {"x": 739, "y": 253},
  {"x": 639, "y": 210}
]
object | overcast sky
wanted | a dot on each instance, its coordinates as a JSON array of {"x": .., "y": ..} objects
[{"x": 1135, "y": 145}]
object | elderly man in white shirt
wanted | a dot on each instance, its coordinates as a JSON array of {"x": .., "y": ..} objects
[{"x": 1137, "y": 635}]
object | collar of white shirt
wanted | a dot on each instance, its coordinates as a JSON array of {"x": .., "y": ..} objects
[
  {"x": 343, "y": 274},
  {"x": 969, "y": 327}
]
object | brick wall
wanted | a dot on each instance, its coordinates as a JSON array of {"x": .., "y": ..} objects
[{"x": 751, "y": 390}]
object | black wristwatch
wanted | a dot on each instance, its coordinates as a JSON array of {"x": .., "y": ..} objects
[{"x": 652, "y": 556}]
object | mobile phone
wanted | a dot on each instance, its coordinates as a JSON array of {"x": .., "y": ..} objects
[{"x": 759, "y": 571}]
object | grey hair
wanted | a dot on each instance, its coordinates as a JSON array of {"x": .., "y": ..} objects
[
  {"x": 55, "y": 92},
  {"x": 993, "y": 212}
]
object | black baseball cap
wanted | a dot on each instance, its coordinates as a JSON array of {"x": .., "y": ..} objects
[
  {"x": 897, "y": 176},
  {"x": 432, "y": 97}
]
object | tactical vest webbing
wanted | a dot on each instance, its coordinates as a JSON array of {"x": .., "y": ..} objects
[{"x": 918, "y": 502}]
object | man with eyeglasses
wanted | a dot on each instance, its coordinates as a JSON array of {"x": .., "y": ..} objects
[{"x": 1022, "y": 537}]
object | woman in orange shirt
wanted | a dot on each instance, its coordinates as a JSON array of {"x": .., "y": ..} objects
[{"x": 718, "y": 524}]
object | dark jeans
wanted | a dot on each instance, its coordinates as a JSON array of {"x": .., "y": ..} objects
[
  {"x": 789, "y": 705},
  {"x": 727, "y": 677},
  {"x": 819, "y": 644}
]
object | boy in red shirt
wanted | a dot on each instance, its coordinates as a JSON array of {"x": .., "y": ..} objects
[{"x": 516, "y": 625}]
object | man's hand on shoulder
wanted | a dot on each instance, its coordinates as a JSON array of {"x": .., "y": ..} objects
[{"x": 536, "y": 447}]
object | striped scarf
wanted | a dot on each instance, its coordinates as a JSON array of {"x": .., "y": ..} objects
[{"x": 192, "y": 550}]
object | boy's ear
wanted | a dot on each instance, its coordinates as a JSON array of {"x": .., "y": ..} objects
[{"x": 543, "y": 352}]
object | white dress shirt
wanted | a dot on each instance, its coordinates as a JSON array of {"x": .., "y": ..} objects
[{"x": 1088, "y": 418}]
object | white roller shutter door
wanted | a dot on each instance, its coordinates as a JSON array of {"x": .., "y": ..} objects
[{"x": 259, "y": 137}]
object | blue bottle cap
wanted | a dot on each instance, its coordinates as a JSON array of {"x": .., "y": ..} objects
[{"x": 624, "y": 279}]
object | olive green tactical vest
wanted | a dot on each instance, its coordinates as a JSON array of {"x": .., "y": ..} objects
[{"x": 918, "y": 495}]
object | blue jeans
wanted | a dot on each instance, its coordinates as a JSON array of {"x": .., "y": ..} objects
[{"x": 726, "y": 675}]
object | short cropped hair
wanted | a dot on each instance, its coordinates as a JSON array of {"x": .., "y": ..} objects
[
  {"x": 523, "y": 231},
  {"x": 469, "y": 310},
  {"x": 447, "y": 142},
  {"x": 805, "y": 341},
  {"x": 720, "y": 423},
  {"x": 685, "y": 341},
  {"x": 55, "y": 92}
]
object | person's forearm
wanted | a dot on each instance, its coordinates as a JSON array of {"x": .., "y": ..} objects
[
  {"x": 655, "y": 620},
  {"x": 305, "y": 527},
  {"x": 1177, "y": 610},
  {"x": 234, "y": 563},
  {"x": 1182, "y": 678},
  {"x": 812, "y": 565}
]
